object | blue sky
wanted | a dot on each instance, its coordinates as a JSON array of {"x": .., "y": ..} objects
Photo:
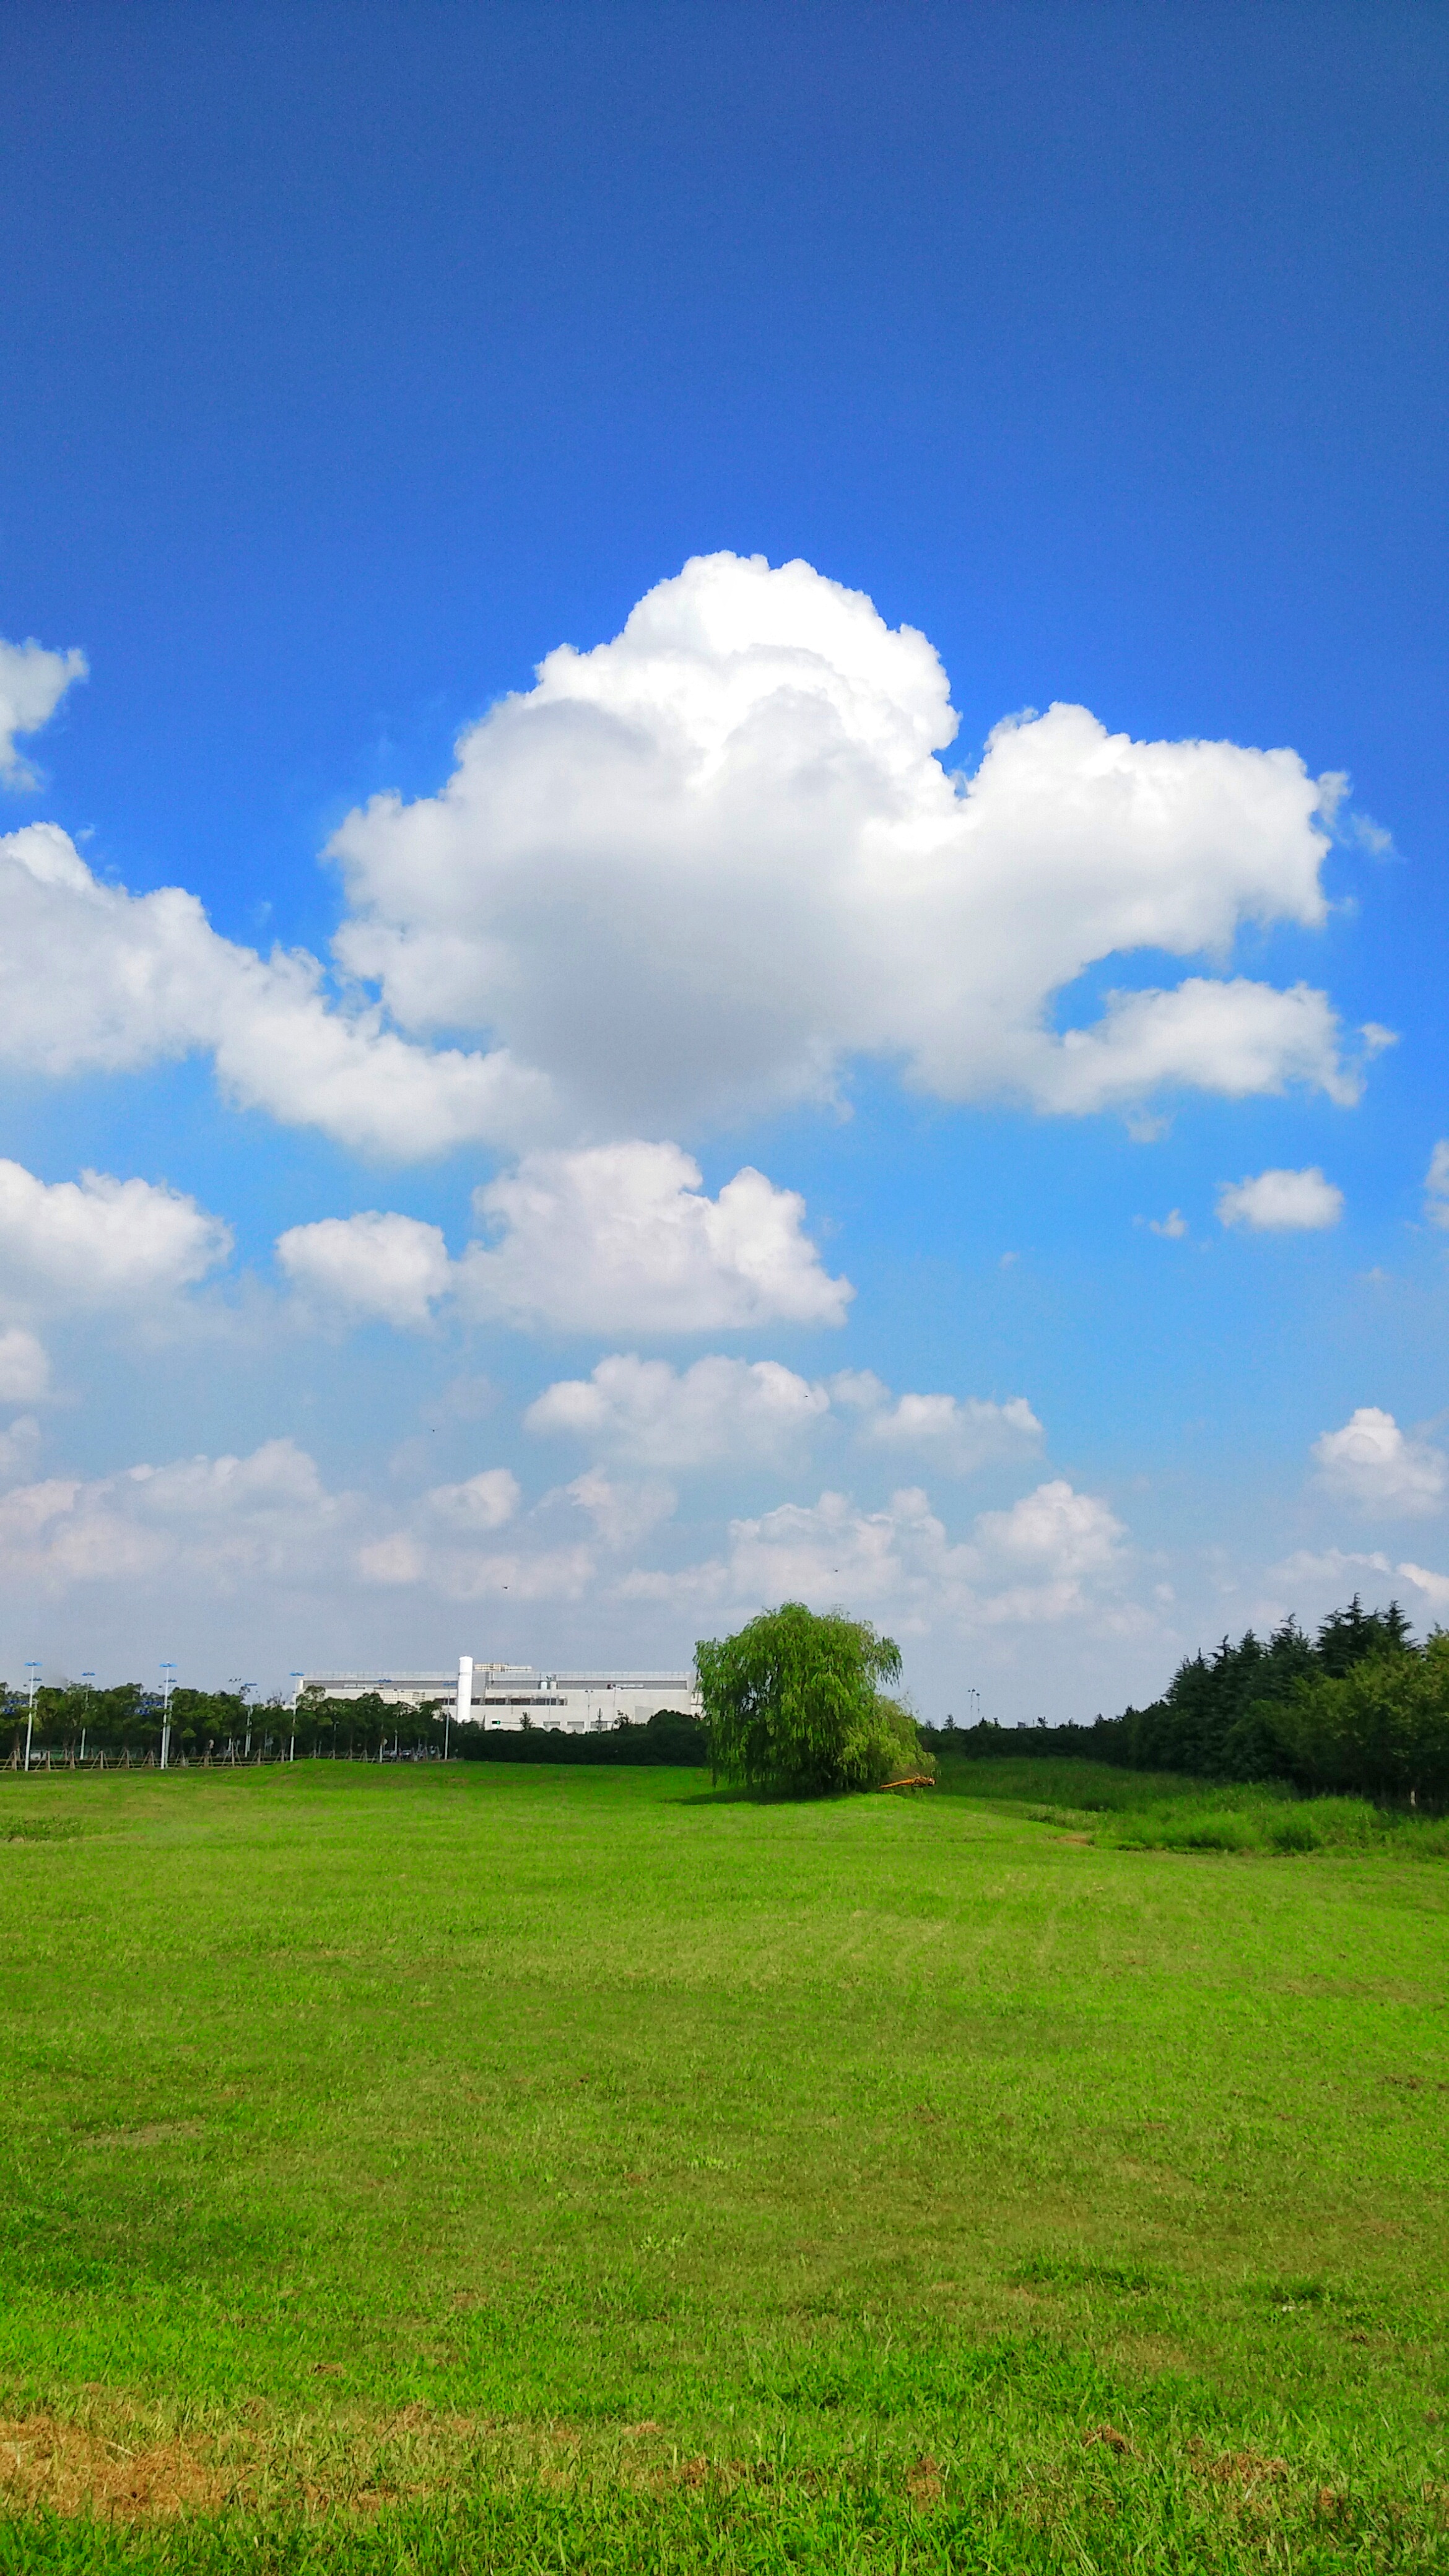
[{"x": 359, "y": 360}]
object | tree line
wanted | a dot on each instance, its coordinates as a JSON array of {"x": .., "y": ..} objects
[
  {"x": 1359, "y": 1707},
  {"x": 669, "y": 1736},
  {"x": 795, "y": 1700},
  {"x": 124, "y": 1723}
]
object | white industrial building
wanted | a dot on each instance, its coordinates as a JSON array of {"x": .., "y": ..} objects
[{"x": 518, "y": 1695}]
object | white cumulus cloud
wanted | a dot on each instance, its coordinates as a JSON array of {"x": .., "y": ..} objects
[
  {"x": 960, "y": 1433},
  {"x": 615, "y": 1236},
  {"x": 93, "y": 979},
  {"x": 622, "y": 1238},
  {"x": 666, "y": 1417},
  {"x": 1330, "y": 1569},
  {"x": 1436, "y": 1184},
  {"x": 696, "y": 870},
  {"x": 387, "y": 1267},
  {"x": 227, "y": 1522},
  {"x": 235, "y": 1528},
  {"x": 1055, "y": 1555},
  {"x": 1282, "y": 1202},
  {"x": 447, "y": 1543},
  {"x": 1435, "y": 1587},
  {"x": 32, "y": 684},
  {"x": 100, "y": 1241},
  {"x": 1374, "y": 1464},
  {"x": 733, "y": 1410}
]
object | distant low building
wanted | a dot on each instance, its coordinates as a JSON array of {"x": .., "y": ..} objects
[{"x": 519, "y": 1695}]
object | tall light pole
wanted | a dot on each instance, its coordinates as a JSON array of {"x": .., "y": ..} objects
[
  {"x": 168, "y": 1684},
  {"x": 241, "y": 1688},
  {"x": 34, "y": 1672},
  {"x": 297, "y": 1681},
  {"x": 87, "y": 1678}
]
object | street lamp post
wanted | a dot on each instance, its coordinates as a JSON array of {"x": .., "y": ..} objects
[
  {"x": 241, "y": 1688},
  {"x": 87, "y": 1678},
  {"x": 297, "y": 1681},
  {"x": 168, "y": 1684},
  {"x": 34, "y": 1672}
]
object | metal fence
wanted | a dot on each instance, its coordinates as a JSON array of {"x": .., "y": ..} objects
[{"x": 229, "y": 1757}]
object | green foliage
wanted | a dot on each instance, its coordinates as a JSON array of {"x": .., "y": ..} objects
[
  {"x": 1360, "y": 1707},
  {"x": 346, "y": 1728},
  {"x": 1171, "y": 1811},
  {"x": 669, "y": 1738},
  {"x": 1380, "y": 1725},
  {"x": 123, "y": 1724},
  {"x": 793, "y": 1701}
]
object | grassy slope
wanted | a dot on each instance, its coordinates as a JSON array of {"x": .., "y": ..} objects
[
  {"x": 525, "y": 2136},
  {"x": 1164, "y": 1811}
]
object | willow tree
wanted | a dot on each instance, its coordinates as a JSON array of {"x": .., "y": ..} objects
[{"x": 794, "y": 1701}]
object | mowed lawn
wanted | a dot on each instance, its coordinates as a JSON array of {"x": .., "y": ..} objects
[{"x": 503, "y": 2167}]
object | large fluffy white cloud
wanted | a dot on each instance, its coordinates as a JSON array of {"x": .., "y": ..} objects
[
  {"x": 1382, "y": 1469},
  {"x": 613, "y": 1237},
  {"x": 392, "y": 1268},
  {"x": 1282, "y": 1202},
  {"x": 693, "y": 873},
  {"x": 32, "y": 684},
  {"x": 95, "y": 979},
  {"x": 1055, "y": 1555},
  {"x": 697, "y": 869},
  {"x": 621, "y": 1238},
  {"x": 100, "y": 1241}
]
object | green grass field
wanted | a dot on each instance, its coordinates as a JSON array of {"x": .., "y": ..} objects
[{"x": 500, "y": 2169}]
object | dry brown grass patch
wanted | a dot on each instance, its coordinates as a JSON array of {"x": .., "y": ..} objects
[
  {"x": 1110, "y": 2440},
  {"x": 69, "y": 2470}
]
